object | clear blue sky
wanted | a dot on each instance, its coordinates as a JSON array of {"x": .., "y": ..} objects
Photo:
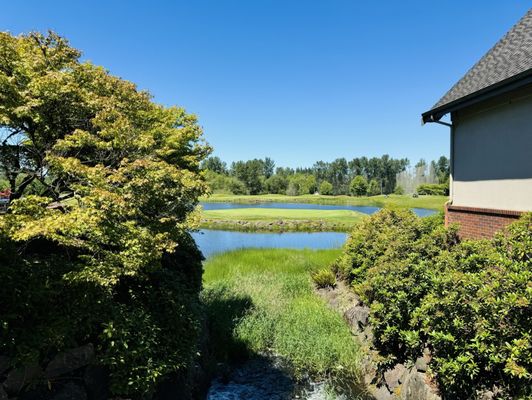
[{"x": 297, "y": 81}]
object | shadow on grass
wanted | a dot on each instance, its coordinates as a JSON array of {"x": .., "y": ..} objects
[
  {"x": 242, "y": 374},
  {"x": 224, "y": 309}
]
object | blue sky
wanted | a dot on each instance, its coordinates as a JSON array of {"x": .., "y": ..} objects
[{"x": 297, "y": 81}]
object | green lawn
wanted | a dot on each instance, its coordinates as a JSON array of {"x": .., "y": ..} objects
[
  {"x": 402, "y": 201},
  {"x": 275, "y": 219},
  {"x": 262, "y": 301}
]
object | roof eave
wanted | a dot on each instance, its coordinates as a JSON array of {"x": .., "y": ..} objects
[{"x": 512, "y": 83}]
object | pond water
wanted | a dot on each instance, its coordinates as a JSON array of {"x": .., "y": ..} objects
[
  {"x": 421, "y": 212},
  {"x": 213, "y": 241}
]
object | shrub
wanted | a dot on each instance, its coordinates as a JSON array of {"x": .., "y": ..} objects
[
  {"x": 374, "y": 188},
  {"x": 435, "y": 189},
  {"x": 399, "y": 190},
  {"x": 326, "y": 188},
  {"x": 358, "y": 186},
  {"x": 324, "y": 278},
  {"x": 476, "y": 317},
  {"x": 469, "y": 302},
  {"x": 300, "y": 184},
  {"x": 236, "y": 186},
  {"x": 276, "y": 184}
]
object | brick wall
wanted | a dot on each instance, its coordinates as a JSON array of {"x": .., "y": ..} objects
[{"x": 478, "y": 223}]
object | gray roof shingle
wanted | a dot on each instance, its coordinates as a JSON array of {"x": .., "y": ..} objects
[{"x": 511, "y": 56}]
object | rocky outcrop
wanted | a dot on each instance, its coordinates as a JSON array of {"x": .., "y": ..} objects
[{"x": 396, "y": 383}]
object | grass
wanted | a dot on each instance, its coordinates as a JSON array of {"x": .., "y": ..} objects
[
  {"x": 262, "y": 301},
  {"x": 393, "y": 200},
  {"x": 275, "y": 219}
]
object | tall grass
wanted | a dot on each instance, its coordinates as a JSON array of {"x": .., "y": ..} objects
[{"x": 262, "y": 301}]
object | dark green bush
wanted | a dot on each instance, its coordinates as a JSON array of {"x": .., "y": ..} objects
[
  {"x": 143, "y": 329},
  {"x": 435, "y": 189},
  {"x": 469, "y": 302}
]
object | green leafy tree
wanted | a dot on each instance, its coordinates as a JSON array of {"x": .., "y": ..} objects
[
  {"x": 374, "y": 188},
  {"x": 359, "y": 186},
  {"x": 300, "y": 184},
  {"x": 251, "y": 173},
  {"x": 214, "y": 164},
  {"x": 326, "y": 188},
  {"x": 119, "y": 177},
  {"x": 276, "y": 184},
  {"x": 268, "y": 167}
]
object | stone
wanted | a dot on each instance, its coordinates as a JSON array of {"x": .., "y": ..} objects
[
  {"x": 422, "y": 362},
  {"x": 381, "y": 393},
  {"x": 486, "y": 395},
  {"x": 70, "y": 360},
  {"x": 70, "y": 391},
  {"x": 416, "y": 387},
  {"x": 357, "y": 316},
  {"x": 19, "y": 378},
  {"x": 393, "y": 375}
]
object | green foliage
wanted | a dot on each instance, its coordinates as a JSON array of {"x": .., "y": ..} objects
[
  {"x": 324, "y": 278},
  {"x": 469, "y": 302},
  {"x": 220, "y": 183},
  {"x": 214, "y": 164},
  {"x": 399, "y": 190},
  {"x": 252, "y": 173},
  {"x": 359, "y": 186},
  {"x": 276, "y": 184},
  {"x": 326, "y": 188},
  {"x": 300, "y": 184},
  {"x": 374, "y": 188},
  {"x": 435, "y": 189},
  {"x": 104, "y": 183}
]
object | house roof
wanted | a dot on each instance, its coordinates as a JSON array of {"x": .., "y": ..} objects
[{"x": 505, "y": 66}]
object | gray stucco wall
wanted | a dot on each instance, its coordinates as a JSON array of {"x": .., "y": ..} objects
[{"x": 492, "y": 163}]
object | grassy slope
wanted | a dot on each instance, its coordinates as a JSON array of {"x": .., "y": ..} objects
[
  {"x": 403, "y": 201},
  {"x": 263, "y": 301}
]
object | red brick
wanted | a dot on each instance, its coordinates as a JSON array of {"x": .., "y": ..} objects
[{"x": 478, "y": 223}]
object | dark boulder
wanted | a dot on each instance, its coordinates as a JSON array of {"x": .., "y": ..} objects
[{"x": 70, "y": 361}]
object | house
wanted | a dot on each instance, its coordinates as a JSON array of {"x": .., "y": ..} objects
[{"x": 491, "y": 136}]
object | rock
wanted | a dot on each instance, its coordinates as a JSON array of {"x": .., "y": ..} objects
[
  {"x": 421, "y": 364},
  {"x": 4, "y": 364},
  {"x": 70, "y": 391},
  {"x": 18, "y": 378},
  {"x": 423, "y": 361},
  {"x": 486, "y": 395},
  {"x": 96, "y": 381},
  {"x": 393, "y": 375},
  {"x": 381, "y": 393},
  {"x": 69, "y": 361},
  {"x": 416, "y": 387},
  {"x": 357, "y": 317}
]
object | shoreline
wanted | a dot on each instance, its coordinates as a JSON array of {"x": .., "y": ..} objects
[{"x": 402, "y": 201}]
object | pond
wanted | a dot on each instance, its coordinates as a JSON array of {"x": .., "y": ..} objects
[
  {"x": 420, "y": 212},
  {"x": 213, "y": 241}
]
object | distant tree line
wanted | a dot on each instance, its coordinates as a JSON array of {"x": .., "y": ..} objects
[{"x": 360, "y": 176}]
